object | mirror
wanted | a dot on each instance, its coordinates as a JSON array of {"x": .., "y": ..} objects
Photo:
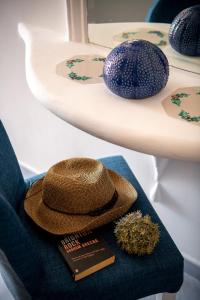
[
  {"x": 105, "y": 23},
  {"x": 114, "y": 21}
]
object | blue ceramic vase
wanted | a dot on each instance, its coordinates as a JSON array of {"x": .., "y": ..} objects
[
  {"x": 184, "y": 33},
  {"x": 136, "y": 69}
]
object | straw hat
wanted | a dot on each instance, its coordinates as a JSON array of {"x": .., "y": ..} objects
[{"x": 77, "y": 195}]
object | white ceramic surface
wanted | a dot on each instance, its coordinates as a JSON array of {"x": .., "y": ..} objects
[{"x": 140, "y": 125}]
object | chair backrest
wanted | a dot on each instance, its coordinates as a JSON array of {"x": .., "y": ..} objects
[
  {"x": 14, "y": 238},
  {"x": 12, "y": 185},
  {"x": 164, "y": 11}
]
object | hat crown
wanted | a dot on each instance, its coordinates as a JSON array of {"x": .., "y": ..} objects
[{"x": 77, "y": 186}]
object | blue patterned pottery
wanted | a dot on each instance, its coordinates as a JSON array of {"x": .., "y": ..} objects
[
  {"x": 184, "y": 33},
  {"x": 136, "y": 69}
]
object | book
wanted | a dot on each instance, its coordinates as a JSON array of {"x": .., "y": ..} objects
[{"x": 85, "y": 253}]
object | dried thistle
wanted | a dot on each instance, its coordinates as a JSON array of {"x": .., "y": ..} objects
[{"x": 137, "y": 234}]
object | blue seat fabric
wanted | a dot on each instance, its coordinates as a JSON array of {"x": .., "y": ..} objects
[
  {"x": 34, "y": 256},
  {"x": 131, "y": 277},
  {"x": 14, "y": 238}
]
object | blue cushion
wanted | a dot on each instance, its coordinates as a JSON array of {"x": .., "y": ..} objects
[
  {"x": 14, "y": 239},
  {"x": 131, "y": 277},
  {"x": 164, "y": 11}
]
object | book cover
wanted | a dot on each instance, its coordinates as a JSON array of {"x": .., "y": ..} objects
[{"x": 85, "y": 253}]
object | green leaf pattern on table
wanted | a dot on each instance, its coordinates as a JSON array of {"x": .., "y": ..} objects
[
  {"x": 186, "y": 116},
  {"x": 184, "y": 104},
  {"x": 99, "y": 59},
  {"x": 181, "y": 95},
  {"x": 157, "y": 32},
  {"x": 71, "y": 63},
  {"x": 176, "y": 99},
  {"x": 162, "y": 43},
  {"x": 73, "y": 76},
  {"x": 128, "y": 35}
]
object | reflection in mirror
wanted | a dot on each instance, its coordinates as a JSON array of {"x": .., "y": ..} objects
[
  {"x": 109, "y": 18},
  {"x": 115, "y": 21},
  {"x": 105, "y": 11}
]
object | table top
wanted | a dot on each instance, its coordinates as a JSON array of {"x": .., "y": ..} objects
[{"x": 141, "y": 125}]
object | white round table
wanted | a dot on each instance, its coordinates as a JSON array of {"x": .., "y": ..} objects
[{"x": 139, "y": 125}]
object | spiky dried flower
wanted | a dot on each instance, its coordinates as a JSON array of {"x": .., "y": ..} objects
[{"x": 137, "y": 234}]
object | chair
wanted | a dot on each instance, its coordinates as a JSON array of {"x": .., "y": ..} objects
[
  {"x": 164, "y": 11},
  {"x": 34, "y": 256},
  {"x": 14, "y": 285}
]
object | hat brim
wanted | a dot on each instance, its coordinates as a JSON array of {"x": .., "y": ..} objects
[{"x": 61, "y": 223}]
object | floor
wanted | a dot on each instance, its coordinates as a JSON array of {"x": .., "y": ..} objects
[{"x": 190, "y": 289}]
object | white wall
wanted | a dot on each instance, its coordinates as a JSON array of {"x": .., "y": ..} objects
[{"x": 39, "y": 138}]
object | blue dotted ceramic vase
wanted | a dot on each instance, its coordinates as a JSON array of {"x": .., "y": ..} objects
[
  {"x": 136, "y": 69},
  {"x": 184, "y": 33}
]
